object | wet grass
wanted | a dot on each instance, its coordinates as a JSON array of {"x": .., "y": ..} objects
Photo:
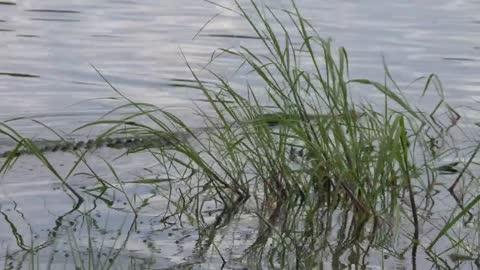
[{"x": 325, "y": 175}]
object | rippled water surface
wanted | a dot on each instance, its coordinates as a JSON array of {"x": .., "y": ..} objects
[{"x": 48, "y": 48}]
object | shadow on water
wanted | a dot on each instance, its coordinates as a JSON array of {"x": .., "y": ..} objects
[
  {"x": 20, "y": 75},
  {"x": 229, "y": 36},
  {"x": 458, "y": 59},
  {"x": 28, "y": 36},
  {"x": 53, "y": 11},
  {"x": 54, "y": 20}
]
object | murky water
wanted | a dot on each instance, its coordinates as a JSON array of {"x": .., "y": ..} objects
[{"x": 49, "y": 47}]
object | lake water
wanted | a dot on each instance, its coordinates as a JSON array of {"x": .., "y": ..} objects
[{"x": 49, "y": 47}]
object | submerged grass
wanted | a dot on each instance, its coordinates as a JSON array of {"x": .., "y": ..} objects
[
  {"x": 299, "y": 153},
  {"x": 79, "y": 246}
]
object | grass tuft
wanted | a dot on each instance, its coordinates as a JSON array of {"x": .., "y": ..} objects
[{"x": 297, "y": 151}]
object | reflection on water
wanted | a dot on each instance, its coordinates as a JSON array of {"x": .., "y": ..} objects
[
  {"x": 123, "y": 225},
  {"x": 127, "y": 226}
]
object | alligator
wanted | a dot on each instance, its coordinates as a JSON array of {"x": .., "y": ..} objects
[
  {"x": 157, "y": 140},
  {"x": 128, "y": 142}
]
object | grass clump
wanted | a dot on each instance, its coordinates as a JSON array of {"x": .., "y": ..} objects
[{"x": 300, "y": 152}]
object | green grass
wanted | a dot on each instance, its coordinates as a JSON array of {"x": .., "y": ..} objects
[{"x": 304, "y": 156}]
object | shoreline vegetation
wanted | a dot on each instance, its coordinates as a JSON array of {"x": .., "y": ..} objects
[{"x": 326, "y": 178}]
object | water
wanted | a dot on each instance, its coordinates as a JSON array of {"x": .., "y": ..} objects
[{"x": 49, "y": 47}]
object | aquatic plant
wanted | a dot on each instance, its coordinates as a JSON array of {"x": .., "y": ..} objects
[{"x": 301, "y": 155}]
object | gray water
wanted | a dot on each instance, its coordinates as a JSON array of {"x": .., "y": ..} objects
[{"x": 49, "y": 47}]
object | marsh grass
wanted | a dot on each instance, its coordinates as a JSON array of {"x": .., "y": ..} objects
[{"x": 297, "y": 151}]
